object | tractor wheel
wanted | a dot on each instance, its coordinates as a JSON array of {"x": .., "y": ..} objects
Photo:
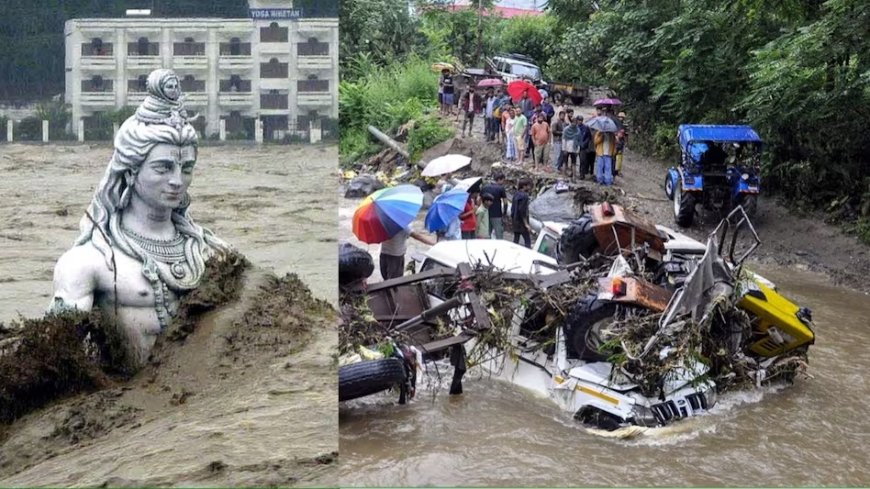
[
  {"x": 684, "y": 208},
  {"x": 669, "y": 186}
]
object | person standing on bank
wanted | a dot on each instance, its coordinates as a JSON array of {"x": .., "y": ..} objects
[
  {"x": 520, "y": 213},
  {"x": 482, "y": 216},
  {"x": 392, "y": 258},
  {"x": 468, "y": 218},
  {"x": 446, "y": 84},
  {"x": 470, "y": 104},
  {"x": 498, "y": 210}
]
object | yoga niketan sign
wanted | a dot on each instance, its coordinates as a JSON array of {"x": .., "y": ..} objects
[{"x": 275, "y": 13}]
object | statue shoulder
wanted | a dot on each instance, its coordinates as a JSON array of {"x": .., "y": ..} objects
[
  {"x": 76, "y": 277},
  {"x": 78, "y": 262}
]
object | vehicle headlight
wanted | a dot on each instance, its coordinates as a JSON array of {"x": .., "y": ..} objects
[{"x": 745, "y": 176}]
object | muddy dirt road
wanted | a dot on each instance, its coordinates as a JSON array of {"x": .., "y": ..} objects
[{"x": 260, "y": 411}]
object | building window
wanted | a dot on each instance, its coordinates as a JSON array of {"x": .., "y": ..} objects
[
  {"x": 97, "y": 47},
  {"x": 235, "y": 46},
  {"x": 97, "y": 83},
  {"x": 235, "y": 83},
  {"x": 142, "y": 46},
  {"x": 273, "y": 33},
  {"x": 142, "y": 83},
  {"x": 313, "y": 47},
  {"x": 189, "y": 48},
  {"x": 273, "y": 69}
]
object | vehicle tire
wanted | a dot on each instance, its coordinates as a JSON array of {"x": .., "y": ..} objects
[
  {"x": 353, "y": 264},
  {"x": 577, "y": 100},
  {"x": 597, "y": 418},
  {"x": 669, "y": 187},
  {"x": 581, "y": 327},
  {"x": 578, "y": 240},
  {"x": 749, "y": 203},
  {"x": 369, "y": 377},
  {"x": 684, "y": 208}
]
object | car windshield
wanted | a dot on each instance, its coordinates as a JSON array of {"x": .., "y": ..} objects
[{"x": 526, "y": 71}]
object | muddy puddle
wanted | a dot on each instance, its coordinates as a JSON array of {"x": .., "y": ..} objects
[
  {"x": 811, "y": 433},
  {"x": 244, "y": 399}
]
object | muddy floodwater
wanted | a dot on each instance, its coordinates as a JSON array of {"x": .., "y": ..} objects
[
  {"x": 266, "y": 416},
  {"x": 815, "y": 432}
]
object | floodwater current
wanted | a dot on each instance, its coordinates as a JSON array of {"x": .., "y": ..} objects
[
  {"x": 275, "y": 419},
  {"x": 815, "y": 432}
]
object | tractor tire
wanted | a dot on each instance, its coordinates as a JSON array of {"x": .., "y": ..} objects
[
  {"x": 353, "y": 264},
  {"x": 578, "y": 240},
  {"x": 669, "y": 187},
  {"x": 581, "y": 324},
  {"x": 369, "y": 377},
  {"x": 684, "y": 208}
]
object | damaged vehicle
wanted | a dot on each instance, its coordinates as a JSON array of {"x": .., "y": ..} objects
[{"x": 630, "y": 325}]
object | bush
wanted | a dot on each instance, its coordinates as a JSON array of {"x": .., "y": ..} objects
[
  {"x": 29, "y": 129},
  {"x": 58, "y": 116},
  {"x": 427, "y": 133}
]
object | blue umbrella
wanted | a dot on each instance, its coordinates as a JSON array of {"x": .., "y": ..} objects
[{"x": 445, "y": 208}]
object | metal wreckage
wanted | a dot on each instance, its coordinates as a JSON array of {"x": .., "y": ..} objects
[{"x": 625, "y": 323}]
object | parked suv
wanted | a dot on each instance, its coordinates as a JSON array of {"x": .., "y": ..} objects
[{"x": 515, "y": 66}]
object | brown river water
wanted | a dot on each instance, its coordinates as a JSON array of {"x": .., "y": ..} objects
[
  {"x": 268, "y": 416},
  {"x": 815, "y": 432}
]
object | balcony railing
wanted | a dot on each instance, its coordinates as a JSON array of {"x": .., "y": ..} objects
[
  {"x": 235, "y": 49},
  {"x": 235, "y": 63},
  {"x": 315, "y": 86},
  {"x": 197, "y": 99},
  {"x": 314, "y": 100},
  {"x": 190, "y": 62},
  {"x": 273, "y": 101},
  {"x": 101, "y": 63},
  {"x": 98, "y": 98},
  {"x": 240, "y": 99},
  {"x": 144, "y": 62}
]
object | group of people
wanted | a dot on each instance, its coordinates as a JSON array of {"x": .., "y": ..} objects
[
  {"x": 554, "y": 138},
  {"x": 484, "y": 217}
]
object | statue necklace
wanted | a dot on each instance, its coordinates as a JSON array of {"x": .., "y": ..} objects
[{"x": 169, "y": 251}]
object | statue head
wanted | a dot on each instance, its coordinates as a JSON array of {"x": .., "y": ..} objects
[{"x": 161, "y": 123}]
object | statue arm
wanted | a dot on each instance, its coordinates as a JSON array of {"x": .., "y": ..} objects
[{"x": 75, "y": 280}]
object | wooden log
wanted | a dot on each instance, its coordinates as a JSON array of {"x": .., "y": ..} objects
[{"x": 392, "y": 143}]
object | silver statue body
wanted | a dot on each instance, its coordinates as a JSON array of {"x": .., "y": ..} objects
[{"x": 139, "y": 250}]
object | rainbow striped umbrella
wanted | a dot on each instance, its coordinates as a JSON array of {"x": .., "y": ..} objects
[{"x": 384, "y": 213}]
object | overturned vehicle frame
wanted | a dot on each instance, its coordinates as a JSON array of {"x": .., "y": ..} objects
[{"x": 631, "y": 335}]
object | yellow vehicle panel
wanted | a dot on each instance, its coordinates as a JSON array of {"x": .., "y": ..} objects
[{"x": 778, "y": 319}]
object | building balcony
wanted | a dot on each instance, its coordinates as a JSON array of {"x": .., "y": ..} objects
[
  {"x": 196, "y": 99},
  {"x": 314, "y": 62},
  {"x": 236, "y": 63},
  {"x": 236, "y": 99},
  {"x": 273, "y": 101},
  {"x": 98, "y": 63},
  {"x": 98, "y": 99},
  {"x": 190, "y": 62},
  {"x": 135, "y": 62},
  {"x": 274, "y": 83},
  {"x": 135, "y": 98},
  {"x": 272, "y": 48},
  {"x": 314, "y": 99},
  {"x": 316, "y": 27}
]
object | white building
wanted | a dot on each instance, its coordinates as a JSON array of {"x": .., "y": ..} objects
[{"x": 280, "y": 69}]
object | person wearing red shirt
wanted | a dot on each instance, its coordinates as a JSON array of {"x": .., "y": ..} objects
[{"x": 468, "y": 221}]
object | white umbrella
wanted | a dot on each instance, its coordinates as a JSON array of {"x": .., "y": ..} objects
[
  {"x": 445, "y": 164},
  {"x": 471, "y": 184}
]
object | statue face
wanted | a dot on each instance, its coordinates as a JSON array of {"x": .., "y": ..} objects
[
  {"x": 171, "y": 88},
  {"x": 165, "y": 175}
]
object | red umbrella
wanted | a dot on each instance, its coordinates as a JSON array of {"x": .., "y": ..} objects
[
  {"x": 516, "y": 88},
  {"x": 490, "y": 82}
]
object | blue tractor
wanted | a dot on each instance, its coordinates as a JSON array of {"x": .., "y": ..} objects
[{"x": 719, "y": 168}]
